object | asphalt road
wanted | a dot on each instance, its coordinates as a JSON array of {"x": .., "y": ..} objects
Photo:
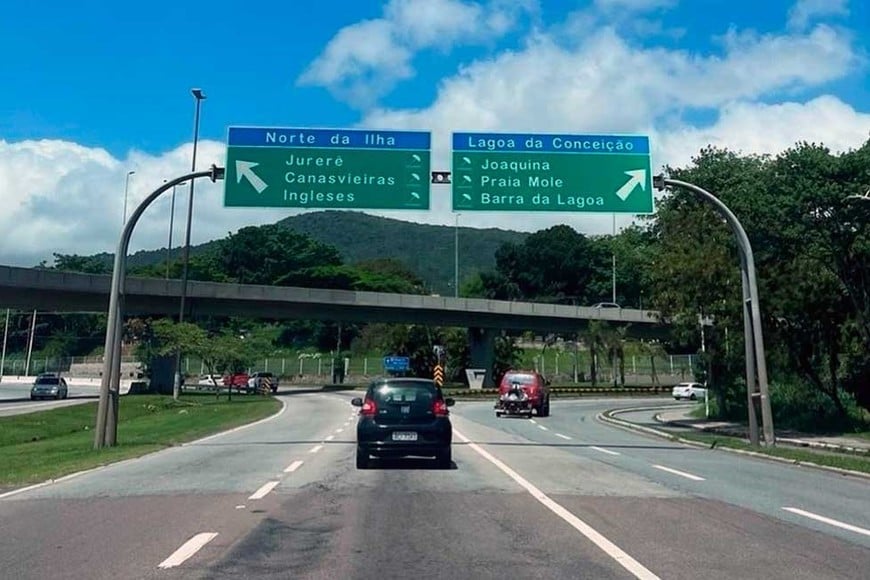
[{"x": 557, "y": 497}]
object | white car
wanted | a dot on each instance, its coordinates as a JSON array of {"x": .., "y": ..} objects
[{"x": 691, "y": 391}]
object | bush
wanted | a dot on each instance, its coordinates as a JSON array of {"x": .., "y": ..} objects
[{"x": 801, "y": 407}]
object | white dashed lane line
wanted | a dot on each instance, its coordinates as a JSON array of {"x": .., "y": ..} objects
[
  {"x": 188, "y": 549},
  {"x": 829, "y": 521},
  {"x": 603, "y": 450},
  {"x": 316, "y": 448},
  {"x": 563, "y": 436},
  {"x": 264, "y": 490},
  {"x": 680, "y": 473},
  {"x": 293, "y": 466},
  {"x": 542, "y": 428}
]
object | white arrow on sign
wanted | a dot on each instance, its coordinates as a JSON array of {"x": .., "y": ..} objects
[
  {"x": 466, "y": 196},
  {"x": 636, "y": 177},
  {"x": 415, "y": 176},
  {"x": 246, "y": 169},
  {"x": 467, "y": 160},
  {"x": 467, "y": 178},
  {"x": 415, "y": 195}
]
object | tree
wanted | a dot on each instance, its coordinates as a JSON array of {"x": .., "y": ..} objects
[
  {"x": 266, "y": 254},
  {"x": 557, "y": 264}
]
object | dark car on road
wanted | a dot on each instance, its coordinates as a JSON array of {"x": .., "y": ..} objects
[
  {"x": 49, "y": 386},
  {"x": 403, "y": 417}
]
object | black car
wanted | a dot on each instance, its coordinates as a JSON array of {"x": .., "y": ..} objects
[{"x": 403, "y": 417}]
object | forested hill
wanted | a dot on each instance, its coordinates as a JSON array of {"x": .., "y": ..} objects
[{"x": 427, "y": 250}]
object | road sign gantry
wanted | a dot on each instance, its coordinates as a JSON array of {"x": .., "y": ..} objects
[
  {"x": 548, "y": 172},
  {"x": 327, "y": 168}
]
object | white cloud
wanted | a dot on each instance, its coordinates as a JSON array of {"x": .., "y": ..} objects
[
  {"x": 804, "y": 11},
  {"x": 365, "y": 60},
  {"x": 61, "y": 196},
  {"x": 66, "y": 198}
]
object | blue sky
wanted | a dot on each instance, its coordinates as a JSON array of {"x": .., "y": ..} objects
[
  {"x": 117, "y": 75},
  {"x": 92, "y": 89}
]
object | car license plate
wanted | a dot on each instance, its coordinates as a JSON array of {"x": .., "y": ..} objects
[{"x": 404, "y": 436}]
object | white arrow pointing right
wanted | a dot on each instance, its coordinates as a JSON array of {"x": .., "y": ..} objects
[
  {"x": 246, "y": 169},
  {"x": 636, "y": 177}
]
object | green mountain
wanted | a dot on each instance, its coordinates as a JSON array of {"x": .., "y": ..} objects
[{"x": 427, "y": 250}]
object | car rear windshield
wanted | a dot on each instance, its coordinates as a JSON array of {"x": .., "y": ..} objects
[
  {"x": 521, "y": 379},
  {"x": 48, "y": 381},
  {"x": 404, "y": 393}
]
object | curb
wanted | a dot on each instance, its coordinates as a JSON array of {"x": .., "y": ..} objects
[
  {"x": 608, "y": 417},
  {"x": 791, "y": 441}
]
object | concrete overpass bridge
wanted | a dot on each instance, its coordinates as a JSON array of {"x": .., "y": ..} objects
[{"x": 29, "y": 288}]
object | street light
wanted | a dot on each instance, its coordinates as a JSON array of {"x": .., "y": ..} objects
[
  {"x": 199, "y": 96},
  {"x": 171, "y": 227},
  {"x": 126, "y": 188},
  {"x": 456, "y": 257}
]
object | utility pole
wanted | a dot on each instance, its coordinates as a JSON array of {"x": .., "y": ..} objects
[
  {"x": 5, "y": 337},
  {"x": 30, "y": 344}
]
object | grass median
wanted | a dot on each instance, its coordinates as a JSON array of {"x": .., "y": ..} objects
[
  {"x": 49, "y": 444},
  {"x": 799, "y": 455}
]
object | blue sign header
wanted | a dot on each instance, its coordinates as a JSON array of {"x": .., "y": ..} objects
[
  {"x": 528, "y": 142},
  {"x": 327, "y": 138}
]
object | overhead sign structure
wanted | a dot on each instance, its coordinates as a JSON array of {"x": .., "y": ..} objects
[
  {"x": 397, "y": 364},
  {"x": 537, "y": 172},
  {"x": 327, "y": 168}
]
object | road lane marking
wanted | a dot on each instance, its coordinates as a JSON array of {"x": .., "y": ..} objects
[
  {"x": 294, "y": 466},
  {"x": 339, "y": 430},
  {"x": 542, "y": 428},
  {"x": 563, "y": 436},
  {"x": 330, "y": 438},
  {"x": 603, "y": 450},
  {"x": 609, "y": 548},
  {"x": 240, "y": 427},
  {"x": 533, "y": 422},
  {"x": 316, "y": 448},
  {"x": 829, "y": 521},
  {"x": 680, "y": 473},
  {"x": 240, "y": 507},
  {"x": 265, "y": 489},
  {"x": 188, "y": 549}
]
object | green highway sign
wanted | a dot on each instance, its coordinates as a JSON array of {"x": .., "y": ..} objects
[
  {"x": 327, "y": 168},
  {"x": 570, "y": 173}
]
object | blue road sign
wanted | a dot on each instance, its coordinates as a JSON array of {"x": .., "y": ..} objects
[{"x": 397, "y": 364}]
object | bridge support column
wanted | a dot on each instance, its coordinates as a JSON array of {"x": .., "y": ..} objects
[{"x": 482, "y": 345}]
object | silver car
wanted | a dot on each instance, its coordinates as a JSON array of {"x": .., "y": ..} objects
[{"x": 49, "y": 387}]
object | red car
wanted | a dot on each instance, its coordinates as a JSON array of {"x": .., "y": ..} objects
[
  {"x": 239, "y": 381},
  {"x": 521, "y": 392}
]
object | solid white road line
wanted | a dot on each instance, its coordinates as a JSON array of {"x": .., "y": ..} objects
[
  {"x": 563, "y": 436},
  {"x": 240, "y": 427},
  {"x": 267, "y": 487},
  {"x": 680, "y": 473},
  {"x": 829, "y": 521},
  {"x": 602, "y": 450},
  {"x": 542, "y": 428},
  {"x": 316, "y": 448},
  {"x": 188, "y": 549},
  {"x": 294, "y": 466},
  {"x": 611, "y": 549},
  {"x": 330, "y": 438}
]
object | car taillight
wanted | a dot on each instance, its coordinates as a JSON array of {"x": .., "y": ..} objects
[
  {"x": 369, "y": 408},
  {"x": 439, "y": 407}
]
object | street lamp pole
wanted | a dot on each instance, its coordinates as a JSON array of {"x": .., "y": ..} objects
[
  {"x": 171, "y": 227},
  {"x": 199, "y": 96},
  {"x": 126, "y": 189},
  {"x": 5, "y": 337},
  {"x": 613, "y": 258},
  {"x": 107, "y": 410},
  {"x": 756, "y": 365},
  {"x": 456, "y": 258}
]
